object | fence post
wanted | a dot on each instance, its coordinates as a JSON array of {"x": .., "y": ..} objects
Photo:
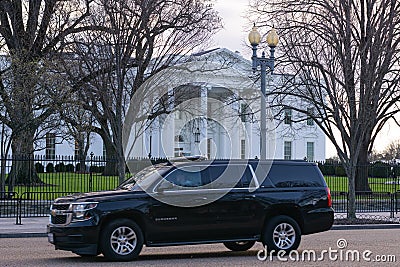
[
  {"x": 90, "y": 171},
  {"x": 19, "y": 211},
  {"x": 347, "y": 205}
]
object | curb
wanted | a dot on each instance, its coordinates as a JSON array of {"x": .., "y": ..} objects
[
  {"x": 365, "y": 227},
  {"x": 23, "y": 235}
]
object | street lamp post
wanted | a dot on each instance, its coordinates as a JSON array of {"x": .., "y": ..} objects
[{"x": 263, "y": 62}]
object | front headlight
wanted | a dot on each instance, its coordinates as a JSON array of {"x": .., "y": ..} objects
[{"x": 80, "y": 211}]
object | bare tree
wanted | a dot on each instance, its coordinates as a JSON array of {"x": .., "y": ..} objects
[
  {"x": 143, "y": 37},
  {"x": 392, "y": 151},
  {"x": 4, "y": 150},
  {"x": 344, "y": 57},
  {"x": 77, "y": 128},
  {"x": 31, "y": 34}
]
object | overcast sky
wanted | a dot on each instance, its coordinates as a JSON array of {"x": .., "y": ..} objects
[
  {"x": 235, "y": 31},
  {"x": 234, "y": 36}
]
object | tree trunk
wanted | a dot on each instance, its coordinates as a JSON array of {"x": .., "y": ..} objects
[
  {"x": 361, "y": 178},
  {"x": 351, "y": 209},
  {"x": 111, "y": 167},
  {"x": 3, "y": 177},
  {"x": 121, "y": 168},
  {"x": 23, "y": 170}
]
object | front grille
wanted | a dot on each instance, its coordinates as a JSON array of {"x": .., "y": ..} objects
[
  {"x": 61, "y": 206},
  {"x": 59, "y": 219}
]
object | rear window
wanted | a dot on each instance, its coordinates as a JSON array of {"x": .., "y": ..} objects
[
  {"x": 293, "y": 176},
  {"x": 238, "y": 176}
]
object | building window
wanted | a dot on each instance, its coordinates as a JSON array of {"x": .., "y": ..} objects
[
  {"x": 288, "y": 116},
  {"x": 50, "y": 146},
  {"x": 244, "y": 112},
  {"x": 209, "y": 110},
  {"x": 287, "y": 150},
  {"x": 179, "y": 138},
  {"x": 209, "y": 148},
  {"x": 243, "y": 149},
  {"x": 179, "y": 114},
  {"x": 310, "y": 112},
  {"x": 310, "y": 151}
]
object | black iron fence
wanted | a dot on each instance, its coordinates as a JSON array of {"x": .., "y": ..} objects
[
  {"x": 379, "y": 183},
  {"x": 46, "y": 179},
  {"x": 377, "y": 187}
]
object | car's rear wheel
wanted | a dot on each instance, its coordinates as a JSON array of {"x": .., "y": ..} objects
[
  {"x": 282, "y": 233},
  {"x": 122, "y": 240},
  {"x": 239, "y": 245}
]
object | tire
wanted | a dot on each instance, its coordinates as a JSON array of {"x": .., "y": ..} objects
[
  {"x": 282, "y": 233},
  {"x": 240, "y": 245},
  {"x": 121, "y": 240}
]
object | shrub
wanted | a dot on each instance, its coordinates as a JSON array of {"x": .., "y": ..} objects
[
  {"x": 80, "y": 168},
  {"x": 96, "y": 169},
  {"x": 380, "y": 170},
  {"x": 60, "y": 167},
  {"x": 39, "y": 167},
  {"x": 50, "y": 167},
  {"x": 329, "y": 169},
  {"x": 69, "y": 167}
]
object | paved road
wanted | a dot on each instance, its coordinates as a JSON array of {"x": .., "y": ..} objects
[{"x": 37, "y": 252}]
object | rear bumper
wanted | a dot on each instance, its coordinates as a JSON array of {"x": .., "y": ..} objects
[
  {"x": 76, "y": 237},
  {"x": 318, "y": 220}
]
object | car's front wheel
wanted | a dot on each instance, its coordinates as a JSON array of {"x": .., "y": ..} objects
[
  {"x": 282, "y": 233},
  {"x": 239, "y": 245},
  {"x": 122, "y": 240}
]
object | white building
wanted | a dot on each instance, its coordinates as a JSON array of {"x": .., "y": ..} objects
[
  {"x": 226, "y": 134},
  {"x": 220, "y": 134}
]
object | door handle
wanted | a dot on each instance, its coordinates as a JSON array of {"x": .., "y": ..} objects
[{"x": 200, "y": 199}]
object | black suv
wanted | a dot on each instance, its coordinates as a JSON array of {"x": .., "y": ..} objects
[{"x": 235, "y": 202}]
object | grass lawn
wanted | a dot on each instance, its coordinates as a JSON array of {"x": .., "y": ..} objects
[
  {"x": 340, "y": 184},
  {"x": 68, "y": 183}
]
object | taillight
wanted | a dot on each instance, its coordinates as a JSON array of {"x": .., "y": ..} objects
[{"x": 328, "y": 192}]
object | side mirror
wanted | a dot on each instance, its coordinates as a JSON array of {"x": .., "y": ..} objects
[{"x": 165, "y": 186}]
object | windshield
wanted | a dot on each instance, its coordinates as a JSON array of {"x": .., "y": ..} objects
[{"x": 143, "y": 179}]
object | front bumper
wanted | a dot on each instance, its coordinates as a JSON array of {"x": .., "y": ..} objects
[{"x": 78, "y": 237}]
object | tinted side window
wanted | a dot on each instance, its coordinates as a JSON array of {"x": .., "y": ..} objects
[
  {"x": 261, "y": 172},
  {"x": 228, "y": 177},
  {"x": 186, "y": 177},
  {"x": 294, "y": 176}
]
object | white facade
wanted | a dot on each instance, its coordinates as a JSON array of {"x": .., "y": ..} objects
[
  {"x": 227, "y": 137},
  {"x": 64, "y": 147},
  {"x": 224, "y": 136}
]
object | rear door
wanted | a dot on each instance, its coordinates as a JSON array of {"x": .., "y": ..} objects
[{"x": 235, "y": 212}]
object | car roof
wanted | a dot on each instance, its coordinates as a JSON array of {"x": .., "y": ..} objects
[{"x": 190, "y": 162}]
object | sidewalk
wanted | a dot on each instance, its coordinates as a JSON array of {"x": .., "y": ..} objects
[
  {"x": 36, "y": 227},
  {"x": 31, "y": 227}
]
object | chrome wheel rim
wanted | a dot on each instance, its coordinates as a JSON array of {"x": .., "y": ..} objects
[
  {"x": 123, "y": 240},
  {"x": 284, "y": 236}
]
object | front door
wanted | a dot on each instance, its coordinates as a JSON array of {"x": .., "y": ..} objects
[{"x": 179, "y": 212}]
